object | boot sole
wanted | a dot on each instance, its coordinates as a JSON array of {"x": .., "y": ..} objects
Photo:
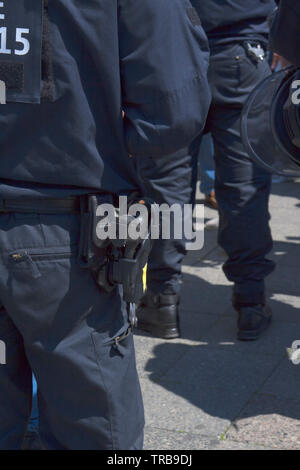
[
  {"x": 167, "y": 332},
  {"x": 253, "y": 335}
]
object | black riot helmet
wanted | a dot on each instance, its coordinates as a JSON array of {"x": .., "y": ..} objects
[{"x": 270, "y": 124}]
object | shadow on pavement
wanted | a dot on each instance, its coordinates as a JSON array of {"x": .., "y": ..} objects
[{"x": 225, "y": 380}]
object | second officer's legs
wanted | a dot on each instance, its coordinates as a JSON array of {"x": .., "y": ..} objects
[{"x": 242, "y": 188}]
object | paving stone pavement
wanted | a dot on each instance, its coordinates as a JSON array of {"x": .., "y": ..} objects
[{"x": 206, "y": 390}]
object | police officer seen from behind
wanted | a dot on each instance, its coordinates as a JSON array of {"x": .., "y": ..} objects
[
  {"x": 67, "y": 70},
  {"x": 238, "y": 34}
]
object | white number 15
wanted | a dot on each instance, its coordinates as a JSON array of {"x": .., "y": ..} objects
[{"x": 20, "y": 32}]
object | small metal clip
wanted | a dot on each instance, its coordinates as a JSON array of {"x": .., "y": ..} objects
[
  {"x": 256, "y": 51},
  {"x": 132, "y": 315}
]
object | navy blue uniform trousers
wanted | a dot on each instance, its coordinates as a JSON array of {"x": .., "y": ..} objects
[
  {"x": 55, "y": 321},
  {"x": 242, "y": 188}
]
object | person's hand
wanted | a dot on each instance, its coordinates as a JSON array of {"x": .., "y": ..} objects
[{"x": 278, "y": 59}]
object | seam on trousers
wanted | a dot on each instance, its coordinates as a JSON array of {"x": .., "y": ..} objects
[{"x": 47, "y": 93}]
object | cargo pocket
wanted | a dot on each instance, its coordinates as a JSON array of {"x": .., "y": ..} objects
[
  {"x": 116, "y": 360},
  {"x": 30, "y": 263},
  {"x": 21, "y": 43}
]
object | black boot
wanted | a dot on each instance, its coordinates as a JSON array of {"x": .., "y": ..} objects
[
  {"x": 253, "y": 320},
  {"x": 158, "y": 315}
]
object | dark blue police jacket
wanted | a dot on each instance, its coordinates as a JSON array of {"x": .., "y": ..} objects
[
  {"x": 285, "y": 31},
  {"x": 71, "y": 66},
  {"x": 227, "y": 21}
]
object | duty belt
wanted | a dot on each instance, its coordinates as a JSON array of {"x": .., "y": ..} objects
[
  {"x": 112, "y": 262},
  {"x": 67, "y": 205}
]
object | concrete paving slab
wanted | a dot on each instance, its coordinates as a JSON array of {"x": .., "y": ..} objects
[
  {"x": 280, "y": 215},
  {"x": 164, "y": 439},
  {"x": 205, "y": 390},
  {"x": 208, "y": 391},
  {"x": 210, "y": 243},
  {"x": 232, "y": 445},
  {"x": 268, "y": 421},
  {"x": 237, "y": 373},
  {"x": 284, "y": 281},
  {"x": 183, "y": 408},
  {"x": 285, "y": 255},
  {"x": 285, "y": 307},
  {"x": 147, "y": 361},
  {"x": 284, "y": 231},
  {"x": 285, "y": 381},
  {"x": 286, "y": 192},
  {"x": 205, "y": 290},
  {"x": 205, "y": 298},
  {"x": 206, "y": 270},
  {"x": 193, "y": 328}
]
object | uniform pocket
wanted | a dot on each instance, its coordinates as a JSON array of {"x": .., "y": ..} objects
[
  {"x": 116, "y": 360},
  {"x": 251, "y": 73},
  {"x": 233, "y": 75},
  {"x": 23, "y": 257},
  {"x": 30, "y": 261}
]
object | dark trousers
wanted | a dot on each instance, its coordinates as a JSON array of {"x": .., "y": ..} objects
[
  {"x": 56, "y": 323},
  {"x": 167, "y": 180},
  {"x": 242, "y": 188}
]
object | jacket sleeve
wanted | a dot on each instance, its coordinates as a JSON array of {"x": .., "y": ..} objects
[
  {"x": 285, "y": 31},
  {"x": 163, "y": 59}
]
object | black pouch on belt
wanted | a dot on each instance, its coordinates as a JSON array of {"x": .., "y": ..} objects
[{"x": 126, "y": 251}]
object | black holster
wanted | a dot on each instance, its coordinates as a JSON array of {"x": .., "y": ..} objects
[{"x": 114, "y": 261}]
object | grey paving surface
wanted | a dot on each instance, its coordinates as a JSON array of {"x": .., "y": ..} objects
[{"x": 206, "y": 390}]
